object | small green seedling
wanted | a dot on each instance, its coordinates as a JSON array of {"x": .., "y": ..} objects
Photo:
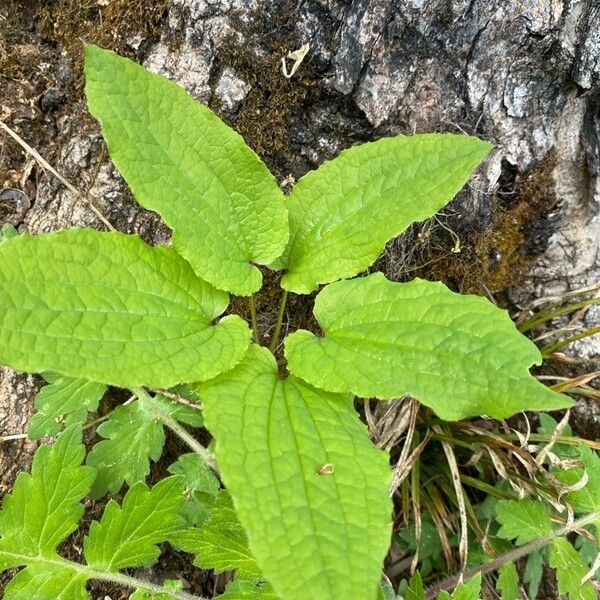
[{"x": 308, "y": 486}]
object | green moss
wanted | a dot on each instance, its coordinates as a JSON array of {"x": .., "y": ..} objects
[
  {"x": 273, "y": 101},
  {"x": 495, "y": 260},
  {"x": 68, "y": 22}
]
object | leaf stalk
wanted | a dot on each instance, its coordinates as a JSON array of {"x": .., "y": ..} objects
[
  {"x": 178, "y": 429},
  {"x": 117, "y": 578},
  {"x": 277, "y": 331},
  {"x": 255, "y": 332}
]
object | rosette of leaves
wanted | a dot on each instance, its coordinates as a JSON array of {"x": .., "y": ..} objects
[{"x": 308, "y": 486}]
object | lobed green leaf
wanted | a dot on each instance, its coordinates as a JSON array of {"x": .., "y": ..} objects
[
  {"x": 63, "y": 402},
  {"x": 313, "y": 491},
  {"x": 247, "y": 590},
  {"x": 109, "y": 308},
  {"x": 134, "y": 436},
  {"x": 7, "y": 232},
  {"x": 570, "y": 570},
  {"x": 508, "y": 582},
  {"x": 470, "y": 590},
  {"x": 523, "y": 520},
  {"x": 127, "y": 535},
  {"x": 459, "y": 355},
  {"x": 221, "y": 544},
  {"x": 201, "y": 488},
  {"x": 225, "y": 208},
  {"x": 42, "y": 510},
  {"x": 415, "y": 589},
  {"x": 534, "y": 571},
  {"x": 170, "y": 584},
  {"x": 44, "y": 507},
  {"x": 587, "y": 499},
  {"x": 47, "y": 583}
]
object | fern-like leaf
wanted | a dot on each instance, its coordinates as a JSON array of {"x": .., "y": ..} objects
[
  {"x": 45, "y": 507},
  {"x": 64, "y": 401},
  {"x": 221, "y": 544},
  {"x": 134, "y": 436}
]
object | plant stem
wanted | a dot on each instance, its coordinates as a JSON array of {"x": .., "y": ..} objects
[
  {"x": 89, "y": 573},
  {"x": 174, "y": 426},
  {"x": 255, "y": 335},
  {"x": 275, "y": 338},
  {"x": 512, "y": 556}
]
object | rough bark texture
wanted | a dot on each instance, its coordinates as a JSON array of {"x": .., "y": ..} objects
[
  {"x": 524, "y": 74},
  {"x": 16, "y": 408}
]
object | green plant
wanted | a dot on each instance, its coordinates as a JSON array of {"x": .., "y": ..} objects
[
  {"x": 104, "y": 308},
  {"x": 544, "y": 514}
]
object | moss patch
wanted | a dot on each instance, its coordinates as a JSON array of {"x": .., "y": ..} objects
[
  {"x": 495, "y": 259},
  {"x": 268, "y": 109},
  {"x": 68, "y": 22},
  {"x": 273, "y": 101}
]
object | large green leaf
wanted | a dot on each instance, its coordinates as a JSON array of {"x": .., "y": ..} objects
[
  {"x": 180, "y": 159},
  {"x": 307, "y": 483},
  {"x": 459, "y": 355},
  {"x": 342, "y": 214},
  {"x": 64, "y": 401},
  {"x": 109, "y": 308}
]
